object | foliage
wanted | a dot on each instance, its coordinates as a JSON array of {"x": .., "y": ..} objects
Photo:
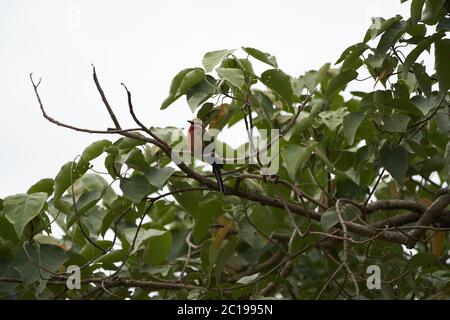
[{"x": 362, "y": 177}]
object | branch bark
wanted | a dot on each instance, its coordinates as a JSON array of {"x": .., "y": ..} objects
[{"x": 428, "y": 218}]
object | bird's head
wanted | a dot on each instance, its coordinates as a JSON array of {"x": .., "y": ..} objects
[{"x": 195, "y": 124}]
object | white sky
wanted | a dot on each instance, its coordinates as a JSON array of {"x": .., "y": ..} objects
[{"x": 143, "y": 44}]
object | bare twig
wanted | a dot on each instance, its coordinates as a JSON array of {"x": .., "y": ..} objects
[
  {"x": 330, "y": 278},
  {"x": 105, "y": 101},
  {"x": 345, "y": 242},
  {"x": 58, "y": 123}
]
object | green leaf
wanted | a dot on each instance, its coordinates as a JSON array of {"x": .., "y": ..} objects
[
  {"x": 347, "y": 51},
  {"x": 290, "y": 154},
  {"x": 126, "y": 144},
  {"x": 87, "y": 200},
  {"x": 44, "y": 185},
  {"x": 396, "y": 123},
  {"x": 136, "y": 160},
  {"x": 432, "y": 10},
  {"x": 423, "y": 104},
  {"x": 416, "y": 31},
  {"x": 209, "y": 210},
  {"x": 255, "y": 240},
  {"x": 43, "y": 258},
  {"x": 135, "y": 188},
  {"x": 443, "y": 25},
  {"x": 313, "y": 78},
  {"x": 262, "y": 105},
  {"x": 129, "y": 234},
  {"x": 394, "y": 159},
  {"x": 201, "y": 92},
  {"x": 7, "y": 271},
  {"x": 169, "y": 135},
  {"x": 213, "y": 58},
  {"x": 279, "y": 82},
  {"x": 43, "y": 239},
  {"x": 184, "y": 80},
  {"x": 189, "y": 80},
  {"x": 94, "y": 182},
  {"x": 219, "y": 256},
  {"x": 443, "y": 124},
  {"x": 405, "y": 105},
  {"x": 416, "y": 10},
  {"x": 234, "y": 76},
  {"x": 351, "y": 123},
  {"x": 164, "y": 212},
  {"x": 348, "y": 189},
  {"x": 22, "y": 208},
  {"x": 423, "y": 259},
  {"x": 339, "y": 81},
  {"x": 95, "y": 149},
  {"x": 374, "y": 61},
  {"x": 93, "y": 220},
  {"x": 261, "y": 56},
  {"x": 353, "y": 56},
  {"x": 442, "y": 64},
  {"x": 158, "y": 176},
  {"x": 392, "y": 34},
  {"x": 415, "y": 53},
  {"x": 379, "y": 25},
  {"x": 204, "y": 113},
  {"x": 401, "y": 90},
  {"x": 328, "y": 219},
  {"x": 158, "y": 248},
  {"x": 423, "y": 79},
  {"x": 68, "y": 174},
  {"x": 332, "y": 119},
  {"x": 111, "y": 257},
  {"x": 295, "y": 157},
  {"x": 7, "y": 231},
  {"x": 263, "y": 219},
  {"x": 188, "y": 200}
]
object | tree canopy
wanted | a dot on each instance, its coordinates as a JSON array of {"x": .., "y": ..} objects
[{"x": 357, "y": 188}]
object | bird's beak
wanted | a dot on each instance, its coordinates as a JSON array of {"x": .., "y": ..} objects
[{"x": 191, "y": 122}]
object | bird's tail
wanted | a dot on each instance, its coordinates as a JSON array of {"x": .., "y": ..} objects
[{"x": 218, "y": 174}]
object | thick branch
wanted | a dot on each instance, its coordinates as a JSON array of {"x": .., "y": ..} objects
[
  {"x": 117, "y": 282},
  {"x": 396, "y": 204},
  {"x": 429, "y": 217},
  {"x": 396, "y": 220},
  {"x": 417, "y": 208}
]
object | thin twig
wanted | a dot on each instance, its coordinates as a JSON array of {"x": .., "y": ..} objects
[{"x": 345, "y": 243}]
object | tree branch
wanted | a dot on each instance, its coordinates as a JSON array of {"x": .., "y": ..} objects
[
  {"x": 429, "y": 217},
  {"x": 105, "y": 101},
  {"x": 390, "y": 236}
]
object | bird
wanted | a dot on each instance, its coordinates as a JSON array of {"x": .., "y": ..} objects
[{"x": 196, "y": 143}]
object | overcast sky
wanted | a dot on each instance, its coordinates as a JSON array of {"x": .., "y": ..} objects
[{"x": 144, "y": 44}]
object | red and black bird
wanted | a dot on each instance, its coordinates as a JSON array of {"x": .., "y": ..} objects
[{"x": 196, "y": 142}]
